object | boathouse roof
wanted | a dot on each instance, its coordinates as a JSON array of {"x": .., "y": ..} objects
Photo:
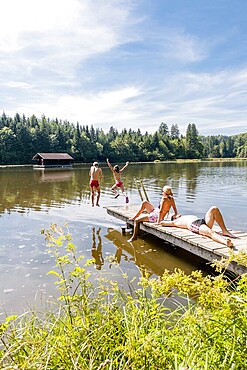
[{"x": 57, "y": 156}]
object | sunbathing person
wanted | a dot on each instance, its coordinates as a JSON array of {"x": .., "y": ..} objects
[
  {"x": 203, "y": 226},
  {"x": 154, "y": 214}
]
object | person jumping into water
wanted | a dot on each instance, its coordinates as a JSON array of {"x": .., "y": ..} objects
[{"x": 116, "y": 171}]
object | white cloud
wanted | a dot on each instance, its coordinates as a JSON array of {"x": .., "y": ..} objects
[
  {"x": 210, "y": 101},
  {"x": 107, "y": 107},
  {"x": 21, "y": 20},
  {"x": 182, "y": 47},
  {"x": 17, "y": 85},
  {"x": 63, "y": 59},
  {"x": 45, "y": 43},
  {"x": 56, "y": 35}
]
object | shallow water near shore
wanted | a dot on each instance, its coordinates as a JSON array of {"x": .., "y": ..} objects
[{"x": 32, "y": 200}]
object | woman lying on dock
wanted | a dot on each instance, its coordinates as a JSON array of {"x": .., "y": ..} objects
[
  {"x": 154, "y": 214},
  {"x": 203, "y": 226}
]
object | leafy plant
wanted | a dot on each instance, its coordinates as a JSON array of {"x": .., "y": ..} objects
[{"x": 177, "y": 321}]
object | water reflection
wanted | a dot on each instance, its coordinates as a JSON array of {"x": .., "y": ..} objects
[
  {"x": 149, "y": 255},
  {"x": 192, "y": 172},
  {"x": 26, "y": 189},
  {"x": 31, "y": 200},
  {"x": 55, "y": 175},
  {"x": 117, "y": 257},
  {"x": 97, "y": 249}
]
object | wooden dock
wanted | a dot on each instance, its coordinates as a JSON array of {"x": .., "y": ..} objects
[{"x": 196, "y": 244}]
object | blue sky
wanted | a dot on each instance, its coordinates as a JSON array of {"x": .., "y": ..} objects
[{"x": 126, "y": 63}]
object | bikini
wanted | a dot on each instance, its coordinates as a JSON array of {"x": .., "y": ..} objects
[
  {"x": 195, "y": 225},
  {"x": 153, "y": 216}
]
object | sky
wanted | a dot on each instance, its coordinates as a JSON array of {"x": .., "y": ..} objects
[{"x": 126, "y": 63}]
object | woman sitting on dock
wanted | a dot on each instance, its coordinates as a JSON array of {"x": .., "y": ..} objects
[
  {"x": 154, "y": 214},
  {"x": 203, "y": 226}
]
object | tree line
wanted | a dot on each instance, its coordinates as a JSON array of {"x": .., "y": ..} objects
[{"x": 22, "y": 137}]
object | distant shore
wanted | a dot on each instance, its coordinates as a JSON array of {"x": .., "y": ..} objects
[{"x": 3, "y": 166}]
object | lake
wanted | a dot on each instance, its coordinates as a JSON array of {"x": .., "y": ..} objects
[{"x": 33, "y": 199}]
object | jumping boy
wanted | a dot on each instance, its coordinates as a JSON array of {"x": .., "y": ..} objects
[{"x": 116, "y": 171}]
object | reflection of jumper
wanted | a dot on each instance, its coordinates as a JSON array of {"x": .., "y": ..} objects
[
  {"x": 194, "y": 226},
  {"x": 97, "y": 251}
]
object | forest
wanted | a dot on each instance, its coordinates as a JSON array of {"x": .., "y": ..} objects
[{"x": 22, "y": 137}]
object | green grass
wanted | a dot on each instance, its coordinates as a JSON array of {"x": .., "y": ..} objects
[{"x": 106, "y": 327}]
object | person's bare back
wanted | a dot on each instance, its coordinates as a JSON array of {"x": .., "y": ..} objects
[{"x": 95, "y": 173}]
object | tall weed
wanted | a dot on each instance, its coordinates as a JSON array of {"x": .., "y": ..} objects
[{"x": 105, "y": 327}]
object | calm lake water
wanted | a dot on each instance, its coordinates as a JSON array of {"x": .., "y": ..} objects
[{"x": 31, "y": 200}]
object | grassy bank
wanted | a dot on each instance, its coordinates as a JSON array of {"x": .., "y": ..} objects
[{"x": 106, "y": 327}]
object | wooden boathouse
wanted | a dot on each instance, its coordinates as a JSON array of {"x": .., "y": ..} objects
[
  {"x": 196, "y": 244},
  {"x": 53, "y": 160}
]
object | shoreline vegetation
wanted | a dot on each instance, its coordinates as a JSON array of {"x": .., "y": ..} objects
[
  {"x": 155, "y": 161},
  {"x": 106, "y": 327},
  {"x": 21, "y": 138}
]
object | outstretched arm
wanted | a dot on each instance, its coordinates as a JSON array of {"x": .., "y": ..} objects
[
  {"x": 126, "y": 165},
  {"x": 109, "y": 164}
]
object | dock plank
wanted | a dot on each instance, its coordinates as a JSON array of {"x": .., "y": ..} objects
[{"x": 196, "y": 244}]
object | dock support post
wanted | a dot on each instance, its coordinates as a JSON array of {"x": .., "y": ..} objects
[{"x": 123, "y": 230}]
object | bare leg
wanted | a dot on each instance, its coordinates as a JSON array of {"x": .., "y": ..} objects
[
  {"x": 123, "y": 192},
  {"x": 206, "y": 231},
  {"x": 92, "y": 197},
  {"x": 98, "y": 196},
  {"x": 145, "y": 206},
  {"x": 113, "y": 189},
  {"x": 214, "y": 215},
  {"x": 141, "y": 218}
]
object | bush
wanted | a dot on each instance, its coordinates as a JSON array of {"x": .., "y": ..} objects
[{"x": 105, "y": 327}]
